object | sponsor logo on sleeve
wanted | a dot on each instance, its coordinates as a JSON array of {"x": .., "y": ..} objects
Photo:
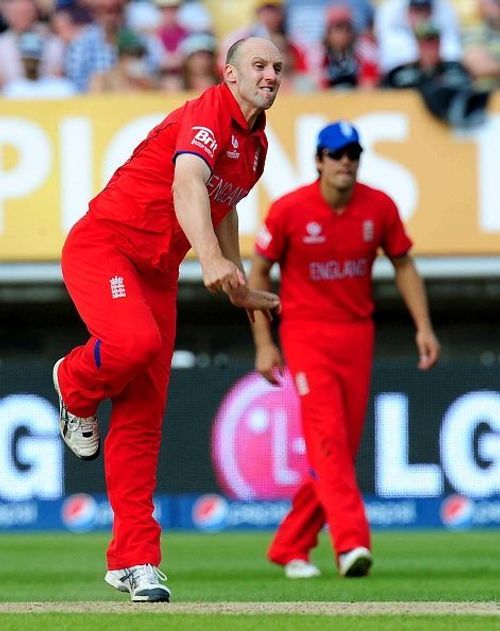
[{"x": 204, "y": 138}]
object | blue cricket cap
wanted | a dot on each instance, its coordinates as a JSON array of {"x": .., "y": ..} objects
[{"x": 338, "y": 135}]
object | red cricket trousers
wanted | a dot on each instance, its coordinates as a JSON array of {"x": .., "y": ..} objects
[
  {"x": 331, "y": 364},
  {"x": 129, "y": 308}
]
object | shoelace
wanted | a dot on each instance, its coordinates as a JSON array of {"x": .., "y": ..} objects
[
  {"x": 85, "y": 424},
  {"x": 147, "y": 572}
]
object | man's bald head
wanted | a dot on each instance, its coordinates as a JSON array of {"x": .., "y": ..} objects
[
  {"x": 239, "y": 47},
  {"x": 253, "y": 72}
]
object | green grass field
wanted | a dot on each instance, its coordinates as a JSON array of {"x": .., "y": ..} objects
[{"x": 409, "y": 567}]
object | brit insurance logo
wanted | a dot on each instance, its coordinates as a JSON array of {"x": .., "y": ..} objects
[
  {"x": 233, "y": 153},
  {"x": 205, "y": 139},
  {"x": 314, "y": 233}
]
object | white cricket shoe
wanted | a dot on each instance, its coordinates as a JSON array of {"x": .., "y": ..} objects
[
  {"x": 141, "y": 581},
  {"x": 356, "y": 562},
  {"x": 81, "y": 434},
  {"x": 298, "y": 568}
]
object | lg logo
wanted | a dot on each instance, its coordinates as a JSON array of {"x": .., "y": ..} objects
[{"x": 31, "y": 459}]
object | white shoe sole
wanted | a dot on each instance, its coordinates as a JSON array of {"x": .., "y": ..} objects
[
  {"x": 158, "y": 594},
  {"x": 307, "y": 570},
  {"x": 115, "y": 582}
]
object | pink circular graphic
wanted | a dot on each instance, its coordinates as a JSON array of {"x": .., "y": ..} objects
[
  {"x": 457, "y": 512},
  {"x": 79, "y": 512},
  {"x": 209, "y": 512},
  {"x": 257, "y": 446}
]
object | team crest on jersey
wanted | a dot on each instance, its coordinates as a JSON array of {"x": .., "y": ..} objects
[
  {"x": 264, "y": 237},
  {"x": 204, "y": 138},
  {"x": 117, "y": 285},
  {"x": 314, "y": 233},
  {"x": 233, "y": 153},
  {"x": 368, "y": 230}
]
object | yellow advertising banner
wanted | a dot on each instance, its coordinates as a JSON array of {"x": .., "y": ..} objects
[{"x": 54, "y": 156}]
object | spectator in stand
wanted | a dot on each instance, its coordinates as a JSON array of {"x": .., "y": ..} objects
[
  {"x": 270, "y": 16},
  {"x": 269, "y": 21},
  {"x": 130, "y": 73},
  {"x": 69, "y": 21},
  {"x": 33, "y": 85},
  {"x": 195, "y": 17},
  {"x": 395, "y": 22},
  {"x": 95, "y": 49},
  {"x": 445, "y": 86},
  {"x": 306, "y": 18},
  {"x": 296, "y": 76},
  {"x": 21, "y": 17},
  {"x": 199, "y": 66},
  {"x": 349, "y": 58},
  {"x": 482, "y": 46},
  {"x": 171, "y": 35}
]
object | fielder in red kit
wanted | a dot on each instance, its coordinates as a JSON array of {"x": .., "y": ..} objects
[
  {"x": 325, "y": 237},
  {"x": 121, "y": 263}
]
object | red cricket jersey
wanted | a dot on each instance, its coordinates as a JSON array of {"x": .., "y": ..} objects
[
  {"x": 326, "y": 259},
  {"x": 138, "y": 199}
]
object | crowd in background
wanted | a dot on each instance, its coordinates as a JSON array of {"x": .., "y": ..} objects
[{"x": 57, "y": 48}]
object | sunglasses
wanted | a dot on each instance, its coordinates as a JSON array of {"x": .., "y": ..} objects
[{"x": 353, "y": 152}]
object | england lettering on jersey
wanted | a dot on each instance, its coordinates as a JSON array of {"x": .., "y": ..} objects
[
  {"x": 336, "y": 270},
  {"x": 225, "y": 192}
]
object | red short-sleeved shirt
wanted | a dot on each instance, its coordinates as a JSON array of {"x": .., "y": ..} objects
[
  {"x": 326, "y": 259},
  {"x": 138, "y": 198}
]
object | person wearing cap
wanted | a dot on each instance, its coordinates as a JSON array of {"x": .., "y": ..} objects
[
  {"x": 130, "y": 73},
  {"x": 120, "y": 262},
  {"x": 21, "y": 16},
  {"x": 95, "y": 49},
  {"x": 325, "y": 237},
  {"x": 199, "y": 66},
  {"x": 394, "y": 28},
  {"x": 35, "y": 85}
]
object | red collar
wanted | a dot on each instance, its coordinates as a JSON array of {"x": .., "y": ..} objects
[{"x": 237, "y": 114}]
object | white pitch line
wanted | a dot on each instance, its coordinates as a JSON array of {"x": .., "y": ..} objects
[{"x": 261, "y": 608}]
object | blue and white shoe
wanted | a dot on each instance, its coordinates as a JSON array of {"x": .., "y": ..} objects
[{"x": 142, "y": 582}]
